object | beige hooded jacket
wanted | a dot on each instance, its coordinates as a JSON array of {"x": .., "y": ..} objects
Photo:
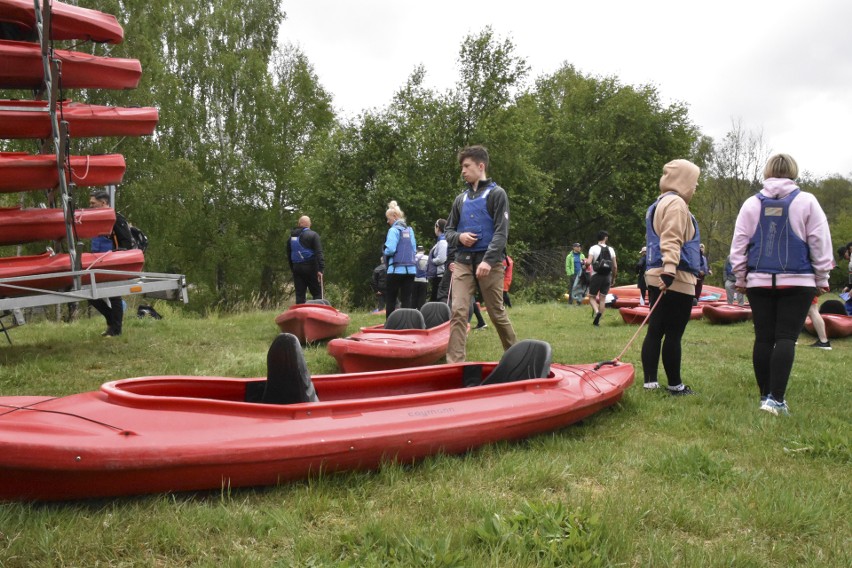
[{"x": 673, "y": 223}]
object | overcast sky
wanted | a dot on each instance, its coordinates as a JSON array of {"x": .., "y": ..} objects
[{"x": 781, "y": 67}]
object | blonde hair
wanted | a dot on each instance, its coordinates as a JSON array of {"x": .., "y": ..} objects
[
  {"x": 393, "y": 209},
  {"x": 781, "y": 166}
]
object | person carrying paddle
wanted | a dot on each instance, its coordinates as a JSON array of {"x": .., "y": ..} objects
[
  {"x": 478, "y": 225},
  {"x": 672, "y": 244},
  {"x": 304, "y": 253}
]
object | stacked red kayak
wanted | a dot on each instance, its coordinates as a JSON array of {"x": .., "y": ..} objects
[{"x": 22, "y": 66}]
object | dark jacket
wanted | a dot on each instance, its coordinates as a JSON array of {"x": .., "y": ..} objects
[
  {"x": 497, "y": 204},
  {"x": 378, "y": 282},
  {"x": 308, "y": 239}
]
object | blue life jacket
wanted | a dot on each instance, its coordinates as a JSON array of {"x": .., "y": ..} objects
[
  {"x": 578, "y": 264},
  {"x": 432, "y": 268},
  {"x": 690, "y": 252},
  {"x": 475, "y": 219},
  {"x": 298, "y": 252},
  {"x": 102, "y": 244},
  {"x": 404, "y": 255},
  {"x": 774, "y": 248}
]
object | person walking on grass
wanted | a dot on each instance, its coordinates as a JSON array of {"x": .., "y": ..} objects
[
  {"x": 574, "y": 267},
  {"x": 781, "y": 256},
  {"x": 604, "y": 270},
  {"x": 478, "y": 225},
  {"x": 674, "y": 261}
]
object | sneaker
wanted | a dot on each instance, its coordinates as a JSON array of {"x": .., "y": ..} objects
[
  {"x": 774, "y": 407},
  {"x": 822, "y": 345},
  {"x": 597, "y": 321},
  {"x": 681, "y": 392},
  {"x": 483, "y": 326},
  {"x": 651, "y": 386}
]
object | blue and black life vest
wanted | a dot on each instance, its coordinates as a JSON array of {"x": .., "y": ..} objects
[
  {"x": 102, "y": 243},
  {"x": 298, "y": 252},
  {"x": 774, "y": 248},
  {"x": 476, "y": 219},
  {"x": 690, "y": 252},
  {"x": 404, "y": 255}
]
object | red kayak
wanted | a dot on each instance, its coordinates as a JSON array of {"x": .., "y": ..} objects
[
  {"x": 20, "y": 171},
  {"x": 19, "y": 226},
  {"x": 31, "y": 119},
  {"x": 708, "y": 293},
  {"x": 405, "y": 340},
  {"x": 180, "y": 433},
  {"x": 21, "y": 68},
  {"x": 638, "y": 314},
  {"x": 15, "y": 266},
  {"x": 312, "y": 322},
  {"x": 726, "y": 313},
  {"x": 836, "y": 326},
  {"x": 68, "y": 22}
]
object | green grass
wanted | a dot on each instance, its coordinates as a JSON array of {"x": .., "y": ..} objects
[{"x": 655, "y": 481}]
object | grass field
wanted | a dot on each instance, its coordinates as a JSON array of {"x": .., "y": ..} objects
[{"x": 706, "y": 480}]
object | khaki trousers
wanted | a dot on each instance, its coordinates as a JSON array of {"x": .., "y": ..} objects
[{"x": 462, "y": 288}]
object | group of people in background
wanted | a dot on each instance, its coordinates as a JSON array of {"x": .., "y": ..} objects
[{"x": 780, "y": 258}]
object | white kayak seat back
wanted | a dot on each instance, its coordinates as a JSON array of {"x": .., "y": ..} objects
[
  {"x": 435, "y": 313},
  {"x": 527, "y": 359},
  {"x": 405, "y": 318},
  {"x": 287, "y": 378},
  {"x": 321, "y": 301}
]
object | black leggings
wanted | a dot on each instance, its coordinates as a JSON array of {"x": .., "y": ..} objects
[
  {"x": 778, "y": 315},
  {"x": 669, "y": 319},
  {"x": 399, "y": 286}
]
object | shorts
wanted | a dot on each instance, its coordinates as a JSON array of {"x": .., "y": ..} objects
[{"x": 599, "y": 283}]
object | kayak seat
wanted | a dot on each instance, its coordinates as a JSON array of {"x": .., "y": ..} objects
[
  {"x": 527, "y": 359},
  {"x": 321, "y": 301},
  {"x": 435, "y": 313},
  {"x": 833, "y": 307},
  {"x": 405, "y": 318},
  {"x": 287, "y": 378}
]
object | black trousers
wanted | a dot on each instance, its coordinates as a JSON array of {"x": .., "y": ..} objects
[
  {"x": 778, "y": 315},
  {"x": 113, "y": 313},
  {"x": 305, "y": 277},
  {"x": 668, "y": 320},
  {"x": 399, "y": 286}
]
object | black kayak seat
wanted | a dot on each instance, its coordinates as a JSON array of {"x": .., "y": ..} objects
[
  {"x": 833, "y": 307},
  {"x": 405, "y": 318},
  {"x": 321, "y": 301},
  {"x": 287, "y": 378},
  {"x": 527, "y": 359},
  {"x": 435, "y": 313}
]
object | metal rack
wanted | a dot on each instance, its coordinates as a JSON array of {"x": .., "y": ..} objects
[{"x": 157, "y": 285}]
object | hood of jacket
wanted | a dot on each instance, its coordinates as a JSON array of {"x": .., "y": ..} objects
[
  {"x": 680, "y": 176},
  {"x": 777, "y": 188}
]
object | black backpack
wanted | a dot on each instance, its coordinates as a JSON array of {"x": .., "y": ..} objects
[
  {"x": 603, "y": 264},
  {"x": 140, "y": 239}
]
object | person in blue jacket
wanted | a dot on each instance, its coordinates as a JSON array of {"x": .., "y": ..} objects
[{"x": 399, "y": 249}]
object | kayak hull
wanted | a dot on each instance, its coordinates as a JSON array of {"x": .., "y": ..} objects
[
  {"x": 312, "y": 322},
  {"x": 20, "y": 171}
]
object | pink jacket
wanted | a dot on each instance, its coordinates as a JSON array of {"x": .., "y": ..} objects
[{"x": 807, "y": 220}]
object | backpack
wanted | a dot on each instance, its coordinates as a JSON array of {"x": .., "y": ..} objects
[
  {"x": 140, "y": 239},
  {"x": 603, "y": 264}
]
